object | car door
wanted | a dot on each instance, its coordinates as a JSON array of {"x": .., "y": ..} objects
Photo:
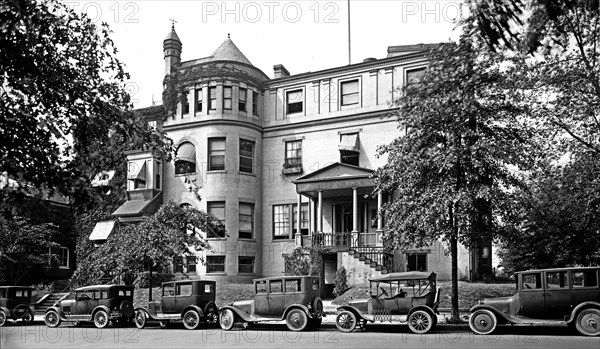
[
  {"x": 558, "y": 294},
  {"x": 532, "y": 295},
  {"x": 168, "y": 298},
  {"x": 261, "y": 298},
  {"x": 183, "y": 294},
  {"x": 276, "y": 297}
]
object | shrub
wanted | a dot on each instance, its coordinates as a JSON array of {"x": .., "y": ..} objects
[{"x": 341, "y": 282}]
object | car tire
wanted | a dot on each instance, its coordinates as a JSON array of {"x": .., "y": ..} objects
[
  {"x": 315, "y": 322},
  {"x": 101, "y": 319},
  {"x": 226, "y": 319},
  {"x": 345, "y": 321},
  {"x": 2, "y": 318},
  {"x": 139, "y": 318},
  {"x": 587, "y": 322},
  {"x": 483, "y": 322},
  {"x": 163, "y": 323},
  {"x": 27, "y": 318},
  {"x": 191, "y": 319},
  {"x": 212, "y": 319},
  {"x": 296, "y": 320},
  {"x": 52, "y": 319},
  {"x": 420, "y": 321}
]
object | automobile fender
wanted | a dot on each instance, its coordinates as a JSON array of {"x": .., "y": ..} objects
[
  {"x": 195, "y": 307},
  {"x": 242, "y": 314},
  {"x": 149, "y": 314},
  {"x": 581, "y": 306},
  {"x": 421, "y": 307},
  {"x": 61, "y": 315},
  {"x": 297, "y": 306},
  {"x": 100, "y": 307},
  {"x": 6, "y": 312},
  {"x": 500, "y": 315},
  {"x": 21, "y": 307},
  {"x": 359, "y": 314},
  {"x": 209, "y": 306}
]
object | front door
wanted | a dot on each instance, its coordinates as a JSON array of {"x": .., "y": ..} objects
[
  {"x": 532, "y": 295},
  {"x": 344, "y": 218},
  {"x": 558, "y": 295}
]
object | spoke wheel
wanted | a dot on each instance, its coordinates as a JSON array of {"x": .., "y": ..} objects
[
  {"x": 140, "y": 319},
  {"x": 28, "y": 318},
  {"x": 212, "y": 319},
  {"x": 226, "y": 319},
  {"x": 2, "y": 318},
  {"x": 163, "y": 323},
  {"x": 483, "y": 322},
  {"x": 101, "y": 319},
  {"x": 191, "y": 319},
  {"x": 420, "y": 321},
  {"x": 345, "y": 321},
  {"x": 296, "y": 320},
  {"x": 52, "y": 319},
  {"x": 588, "y": 322}
]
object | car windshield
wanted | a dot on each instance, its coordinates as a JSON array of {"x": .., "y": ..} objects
[{"x": 400, "y": 288}]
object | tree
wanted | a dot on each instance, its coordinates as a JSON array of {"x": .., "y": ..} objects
[
  {"x": 561, "y": 219},
  {"x": 452, "y": 170},
  {"x": 304, "y": 261},
  {"x": 63, "y": 97},
  {"x": 172, "y": 231}
]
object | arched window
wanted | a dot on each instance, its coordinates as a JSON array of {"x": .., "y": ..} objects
[{"x": 185, "y": 160}]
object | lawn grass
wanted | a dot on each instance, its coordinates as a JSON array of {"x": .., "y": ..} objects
[{"x": 468, "y": 293}]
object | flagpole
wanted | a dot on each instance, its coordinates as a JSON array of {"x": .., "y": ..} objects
[{"x": 349, "y": 47}]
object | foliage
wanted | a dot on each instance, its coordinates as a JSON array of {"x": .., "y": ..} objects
[
  {"x": 143, "y": 278},
  {"x": 561, "y": 219},
  {"x": 453, "y": 171},
  {"x": 64, "y": 102},
  {"x": 341, "y": 282},
  {"x": 23, "y": 256},
  {"x": 133, "y": 248},
  {"x": 303, "y": 261}
]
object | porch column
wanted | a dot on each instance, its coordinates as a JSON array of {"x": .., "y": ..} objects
[
  {"x": 298, "y": 235},
  {"x": 354, "y": 210},
  {"x": 320, "y": 212},
  {"x": 379, "y": 215},
  {"x": 311, "y": 216}
]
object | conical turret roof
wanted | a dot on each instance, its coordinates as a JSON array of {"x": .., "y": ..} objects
[
  {"x": 229, "y": 52},
  {"x": 172, "y": 35}
]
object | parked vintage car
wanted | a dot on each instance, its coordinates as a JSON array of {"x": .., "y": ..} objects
[
  {"x": 412, "y": 299},
  {"x": 15, "y": 303},
  {"x": 569, "y": 296},
  {"x": 192, "y": 301},
  {"x": 99, "y": 304},
  {"x": 294, "y": 299}
]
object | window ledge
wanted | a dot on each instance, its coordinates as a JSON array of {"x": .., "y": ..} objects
[
  {"x": 217, "y": 239},
  {"x": 247, "y": 174},
  {"x": 247, "y": 274},
  {"x": 283, "y": 240},
  {"x": 185, "y": 174},
  {"x": 64, "y": 268},
  {"x": 214, "y": 273},
  {"x": 216, "y": 171},
  {"x": 247, "y": 239}
]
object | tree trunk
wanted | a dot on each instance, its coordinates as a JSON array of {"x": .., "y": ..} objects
[{"x": 454, "y": 249}]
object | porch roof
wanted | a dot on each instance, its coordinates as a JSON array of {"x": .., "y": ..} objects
[{"x": 337, "y": 179}]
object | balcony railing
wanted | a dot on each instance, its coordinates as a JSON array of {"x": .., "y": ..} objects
[{"x": 339, "y": 241}]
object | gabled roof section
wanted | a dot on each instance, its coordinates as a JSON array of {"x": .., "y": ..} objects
[
  {"x": 229, "y": 52},
  {"x": 336, "y": 171}
]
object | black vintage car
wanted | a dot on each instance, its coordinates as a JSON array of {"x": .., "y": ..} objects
[
  {"x": 192, "y": 301},
  {"x": 561, "y": 296},
  {"x": 15, "y": 303},
  {"x": 99, "y": 304},
  {"x": 294, "y": 299}
]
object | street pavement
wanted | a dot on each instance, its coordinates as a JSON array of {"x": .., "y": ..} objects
[{"x": 276, "y": 335}]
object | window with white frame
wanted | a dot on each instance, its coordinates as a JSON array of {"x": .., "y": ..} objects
[
  {"x": 216, "y": 154},
  {"x": 61, "y": 255},
  {"x": 227, "y": 97},
  {"x": 212, "y": 94},
  {"x": 294, "y": 101},
  {"x": 185, "y": 103},
  {"x": 255, "y": 97},
  {"x": 215, "y": 264},
  {"x": 413, "y": 76},
  {"x": 245, "y": 265},
  {"x": 199, "y": 99},
  {"x": 303, "y": 219},
  {"x": 281, "y": 222},
  {"x": 246, "y": 221},
  {"x": 416, "y": 262},
  {"x": 217, "y": 209},
  {"x": 349, "y": 92},
  {"x": 293, "y": 153}
]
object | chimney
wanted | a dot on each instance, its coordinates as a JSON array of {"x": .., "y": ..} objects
[{"x": 280, "y": 71}]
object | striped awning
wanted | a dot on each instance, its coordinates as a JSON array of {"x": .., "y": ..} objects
[
  {"x": 187, "y": 152},
  {"x": 349, "y": 142}
]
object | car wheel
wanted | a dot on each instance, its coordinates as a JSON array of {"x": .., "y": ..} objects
[
  {"x": 345, "y": 321},
  {"x": 28, "y": 318},
  {"x": 101, "y": 319},
  {"x": 588, "y": 322},
  {"x": 140, "y": 319},
  {"x": 483, "y": 322},
  {"x": 163, "y": 323},
  {"x": 191, "y": 319},
  {"x": 212, "y": 318},
  {"x": 2, "y": 318},
  {"x": 226, "y": 319},
  {"x": 420, "y": 321},
  {"x": 315, "y": 322},
  {"x": 296, "y": 320},
  {"x": 52, "y": 319}
]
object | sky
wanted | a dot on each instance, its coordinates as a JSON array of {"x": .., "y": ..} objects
[{"x": 303, "y": 35}]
